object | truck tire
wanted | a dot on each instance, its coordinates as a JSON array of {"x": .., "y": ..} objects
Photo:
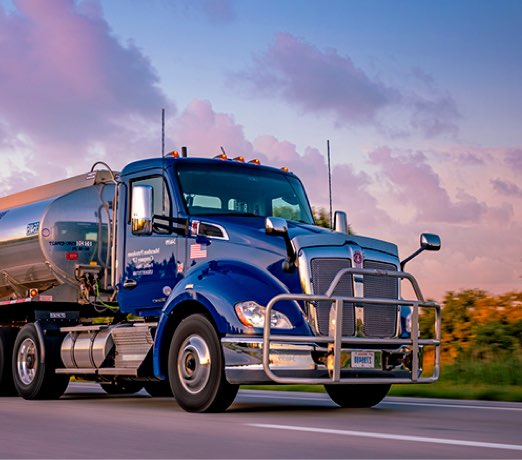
[
  {"x": 357, "y": 396},
  {"x": 121, "y": 388},
  {"x": 34, "y": 379},
  {"x": 196, "y": 370},
  {"x": 7, "y": 339}
]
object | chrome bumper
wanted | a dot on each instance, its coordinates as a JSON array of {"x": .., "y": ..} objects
[{"x": 328, "y": 359}]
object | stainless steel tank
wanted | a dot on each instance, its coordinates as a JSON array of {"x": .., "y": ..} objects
[{"x": 48, "y": 231}]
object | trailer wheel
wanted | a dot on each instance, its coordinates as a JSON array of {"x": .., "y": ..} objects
[
  {"x": 196, "y": 370},
  {"x": 7, "y": 339},
  {"x": 357, "y": 396},
  {"x": 121, "y": 388},
  {"x": 34, "y": 379}
]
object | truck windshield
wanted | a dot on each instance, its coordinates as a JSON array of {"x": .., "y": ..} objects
[{"x": 226, "y": 189}]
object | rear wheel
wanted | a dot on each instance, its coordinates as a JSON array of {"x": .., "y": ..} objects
[
  {"x": 34, "y": 377},
  {"x": 357, "y": 395},
  {"x": 196, "y": 369},
  {"x": 7, "y": 340}
]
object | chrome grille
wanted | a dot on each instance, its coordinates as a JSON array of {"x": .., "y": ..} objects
[
  {"x": 323, "y": 272},
  {"x": 380, "y": 320}
]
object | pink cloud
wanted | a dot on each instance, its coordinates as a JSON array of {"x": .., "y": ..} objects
[
  {"x": 513, "y": 159},
  {"x": 65, "y": 76},
  {"x": 506, "y": 188},
  {"x": 218, "y": 11},
  {"x": 326, "y": 82},
  {"x": 412, "y": 180},
  {"x": 318, "y": 81},
  {"x": 205, "y": 131}
]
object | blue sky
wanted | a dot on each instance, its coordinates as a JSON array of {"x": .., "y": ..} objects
[{"x": 421, "y": 101}]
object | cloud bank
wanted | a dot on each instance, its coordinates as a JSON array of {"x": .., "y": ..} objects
[
  {"x": 327, "y": 83},
  {"x": 67, "y": 81}
]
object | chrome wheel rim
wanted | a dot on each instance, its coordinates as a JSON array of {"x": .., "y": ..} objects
[
  {"x": 194, "y": 364},
  {"x": 27, "y": 361}
]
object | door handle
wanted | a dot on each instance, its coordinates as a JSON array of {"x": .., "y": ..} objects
[{"x": 130, "y": 284}]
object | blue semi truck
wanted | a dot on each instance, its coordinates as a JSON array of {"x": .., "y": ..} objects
[{"x": 189, "y": 277}]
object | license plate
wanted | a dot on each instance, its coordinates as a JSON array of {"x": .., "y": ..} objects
[{"x": 363, "y": 360}]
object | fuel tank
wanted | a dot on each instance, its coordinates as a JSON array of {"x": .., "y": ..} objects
[{"x": 48, "y": 231}]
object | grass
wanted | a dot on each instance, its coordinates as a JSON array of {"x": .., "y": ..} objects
[
  {"x": 444, "y": 390},
  {"x": 467, "y": 379}
]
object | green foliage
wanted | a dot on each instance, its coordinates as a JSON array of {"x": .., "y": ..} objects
[
  {"x": 322, "y": 219},
  {"x": 286, "y": 212}
]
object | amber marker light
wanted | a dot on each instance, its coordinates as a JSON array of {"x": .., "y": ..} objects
[
  {"x": 33, "y": 292},
  {"x": 255, "y": 161},
  {"x": 174, "y": 154},
  {"x": 221, "y": 156},
  {"x": 240, "y": 159},
  {"x": 285, "y": 168}
]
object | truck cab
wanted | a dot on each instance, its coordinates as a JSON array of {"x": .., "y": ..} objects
[{"x": 211, "y": 274}]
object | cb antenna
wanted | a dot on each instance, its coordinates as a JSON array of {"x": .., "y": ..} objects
[
  {"x": 329, "y": 181},
  {"x": 163, "y": 197},
  {"x": 162, "y": 133}
]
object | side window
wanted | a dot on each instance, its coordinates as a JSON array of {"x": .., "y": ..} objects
[{"x": 160, "y": 194}]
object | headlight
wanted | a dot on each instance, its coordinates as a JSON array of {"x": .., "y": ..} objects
[{"x": 252, "y": 314}]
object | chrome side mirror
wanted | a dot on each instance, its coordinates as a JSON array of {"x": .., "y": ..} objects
[
  {"x": 142, "y": 210},
  {"x": 428, "y": 242},
  {"x": 276, "y": 226}
]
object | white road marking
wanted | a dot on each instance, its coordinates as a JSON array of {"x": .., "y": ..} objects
[
  {"x": 459, "y": 406},
  {"x": 297, "y": 396},
  {"x": 394, "y": 437}
]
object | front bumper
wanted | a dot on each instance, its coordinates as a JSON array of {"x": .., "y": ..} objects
[
  {"x": 335, "y": 359},
  {"x": 310, "y": 363}
]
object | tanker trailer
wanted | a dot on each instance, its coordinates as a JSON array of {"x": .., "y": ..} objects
[{"x": 54, "y": 244}]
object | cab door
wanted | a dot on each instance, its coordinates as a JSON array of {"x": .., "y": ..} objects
[{"x": 154, "y": 260}]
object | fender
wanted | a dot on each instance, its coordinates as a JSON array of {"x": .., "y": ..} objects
[{"x": 217, "y": 286}]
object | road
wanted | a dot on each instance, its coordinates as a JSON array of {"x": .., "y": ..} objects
[{"x": 86, "y": 423}]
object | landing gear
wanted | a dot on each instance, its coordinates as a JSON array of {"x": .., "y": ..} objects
[
  {"x": 34, "y": 368},
  {"x": 196, "y": 370},
  {"x": 357, "y": 395}
]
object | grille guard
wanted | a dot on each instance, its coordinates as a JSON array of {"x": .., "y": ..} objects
[{"x": 335, "y": 341}]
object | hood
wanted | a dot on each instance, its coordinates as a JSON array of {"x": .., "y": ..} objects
[{"x": 250, "y": 231}]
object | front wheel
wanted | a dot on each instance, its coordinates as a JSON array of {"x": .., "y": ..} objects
[
  {"x": 357, "y": 396},
  {"x": 196, "y": 369},
  {"x": 34, "y": 377}
]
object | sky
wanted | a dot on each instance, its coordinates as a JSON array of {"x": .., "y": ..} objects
[{"x": 421, "y": 102}]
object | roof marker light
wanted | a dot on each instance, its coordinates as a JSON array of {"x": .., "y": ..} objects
[
  {"x": 255, "y": 161},
  {"x": 240, "y": 159},
  {"x": 285, "y": 168},
  {"x": 221, "y": 156},
  {"x": 174, "y": 154}
]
